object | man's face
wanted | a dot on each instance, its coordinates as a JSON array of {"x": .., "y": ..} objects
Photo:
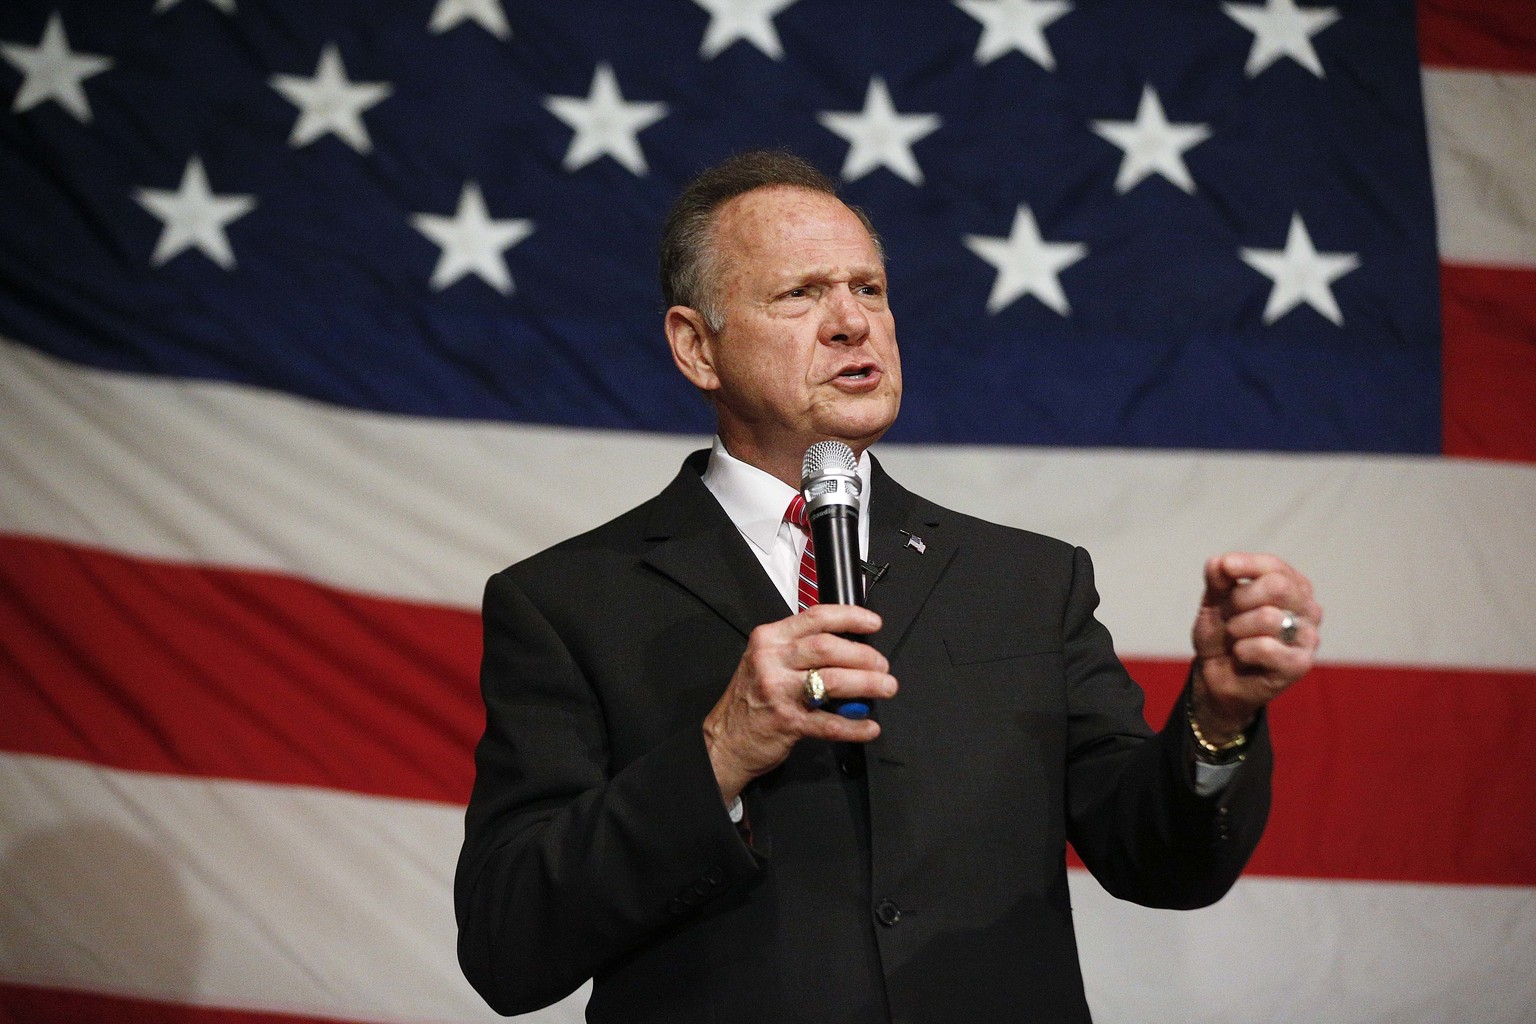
[{"x": 808, "y": 349}]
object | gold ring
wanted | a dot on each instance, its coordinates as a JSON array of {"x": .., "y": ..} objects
[{"x": 815, "y": 689}]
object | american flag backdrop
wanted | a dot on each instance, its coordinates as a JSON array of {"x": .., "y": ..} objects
[{"x": 314, "y": 313}]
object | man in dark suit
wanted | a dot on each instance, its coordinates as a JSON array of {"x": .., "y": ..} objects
[{"x": 661, "y": 805}]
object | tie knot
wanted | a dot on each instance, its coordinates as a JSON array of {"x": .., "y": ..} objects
[{"x": 795, "y": 514}]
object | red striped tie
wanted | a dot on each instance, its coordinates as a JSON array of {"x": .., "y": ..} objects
[{"x": 795, "y": 516}]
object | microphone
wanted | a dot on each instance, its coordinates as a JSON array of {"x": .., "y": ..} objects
[{"x": 829, "y": 482}]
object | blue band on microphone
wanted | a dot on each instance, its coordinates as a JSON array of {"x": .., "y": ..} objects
[{"x": 854, "y": 709}]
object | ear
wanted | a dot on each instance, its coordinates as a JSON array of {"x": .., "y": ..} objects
[{"x": 693, "y": 346}]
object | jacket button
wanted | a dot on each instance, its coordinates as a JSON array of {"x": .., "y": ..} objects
[{"x": 887, "y": 913}]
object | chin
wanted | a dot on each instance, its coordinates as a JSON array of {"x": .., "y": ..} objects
[
  {"x": 862, "y": 433},
  {"x": 858, "y": 421}
]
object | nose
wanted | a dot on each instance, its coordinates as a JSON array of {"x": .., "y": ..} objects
[{"x": 846, "y": 321}]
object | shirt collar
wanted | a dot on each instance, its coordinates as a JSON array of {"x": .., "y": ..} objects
[{"x": 755, "y": 501}]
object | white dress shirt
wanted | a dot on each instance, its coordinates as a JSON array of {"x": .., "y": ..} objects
[{"x": 755, "y": 503}]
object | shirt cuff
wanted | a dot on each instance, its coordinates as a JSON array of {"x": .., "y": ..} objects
[{"x": 1210, "y": 779}]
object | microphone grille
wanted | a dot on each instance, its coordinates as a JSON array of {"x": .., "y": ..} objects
[{"x": 825, "y": 455}]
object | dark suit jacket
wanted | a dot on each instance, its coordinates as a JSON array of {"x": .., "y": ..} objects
[{"x": 919, "y": 879}]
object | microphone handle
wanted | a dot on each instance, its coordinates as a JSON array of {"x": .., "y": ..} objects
[
  {"x": 835, "y": 533},
  {"x": 839, "y": 577}
]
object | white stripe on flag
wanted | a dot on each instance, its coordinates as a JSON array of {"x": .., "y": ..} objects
[
  {"x": 1482, "y": 134},
  {"x": 222, "y": 474},
  {"x": 1419, "y": 560},
  {"x": 1304, "y": 950}
]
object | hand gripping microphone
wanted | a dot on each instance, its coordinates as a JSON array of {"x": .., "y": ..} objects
[{"x": 829, "y": 481}]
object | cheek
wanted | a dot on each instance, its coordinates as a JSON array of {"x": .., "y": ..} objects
[
  {"x": 764, "y": 377},
  {"x": 777, "y": 361},
  {"x": 892, "y": 352}
]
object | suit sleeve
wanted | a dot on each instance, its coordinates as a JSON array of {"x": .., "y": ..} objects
[
  {"x": 568, "y": 864},
  {"x": 1133, "y": 814}
]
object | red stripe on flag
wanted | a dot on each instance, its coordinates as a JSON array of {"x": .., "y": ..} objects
[
  {"x": 24, "y": 1004},
  {"x": 1485, "y": 35},
  {"x": 1383, "y": 773},
  {"x": 1489, "y": 361},
  {"x": 1394, "y": 774},
  {"x": 142, "y": 665}
]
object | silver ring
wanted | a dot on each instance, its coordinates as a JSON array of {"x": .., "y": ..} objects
[
  {"x": 1288, "y": 625},
  {"x": 815, "y": 689}
]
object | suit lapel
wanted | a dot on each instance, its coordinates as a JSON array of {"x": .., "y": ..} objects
[
  {"x": 905, "y": 536},
  {"x": 697, "y": 546}
]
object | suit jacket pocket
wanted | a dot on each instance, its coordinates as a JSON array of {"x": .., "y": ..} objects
[{"x": 974, "y": 649}]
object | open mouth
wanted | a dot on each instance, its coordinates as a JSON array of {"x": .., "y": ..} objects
[{"x": 857, "y": 373}]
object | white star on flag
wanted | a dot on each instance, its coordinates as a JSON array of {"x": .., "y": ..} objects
[
  {"x": 194, "y": 217},
  {"x": 1015, "y": 25},
  {"x": 752, "y": 20},
  {"x": 1281, "y": 29},
  {"x": 605, "y": 123},
  {"x": 488, "y": 14},
  {"x": 1026, "y": 264},
  {"x": 227, "y": 6},
  {"x": 1301, "y": 274},
  {"x": 53, "y": 72},
  {"x": 330, "y": 103},
  {"x": 880, "y": 137},
  {"x": 1152, "y": 145},
  {"x": 471, "y": 242}
]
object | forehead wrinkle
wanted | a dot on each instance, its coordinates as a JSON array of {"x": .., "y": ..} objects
[
  {"x": 748, "y": 225},
  {"x": 831, "y": 273}
]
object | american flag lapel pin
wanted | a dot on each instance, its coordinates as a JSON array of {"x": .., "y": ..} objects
[{"x": 914, "y": 541}]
